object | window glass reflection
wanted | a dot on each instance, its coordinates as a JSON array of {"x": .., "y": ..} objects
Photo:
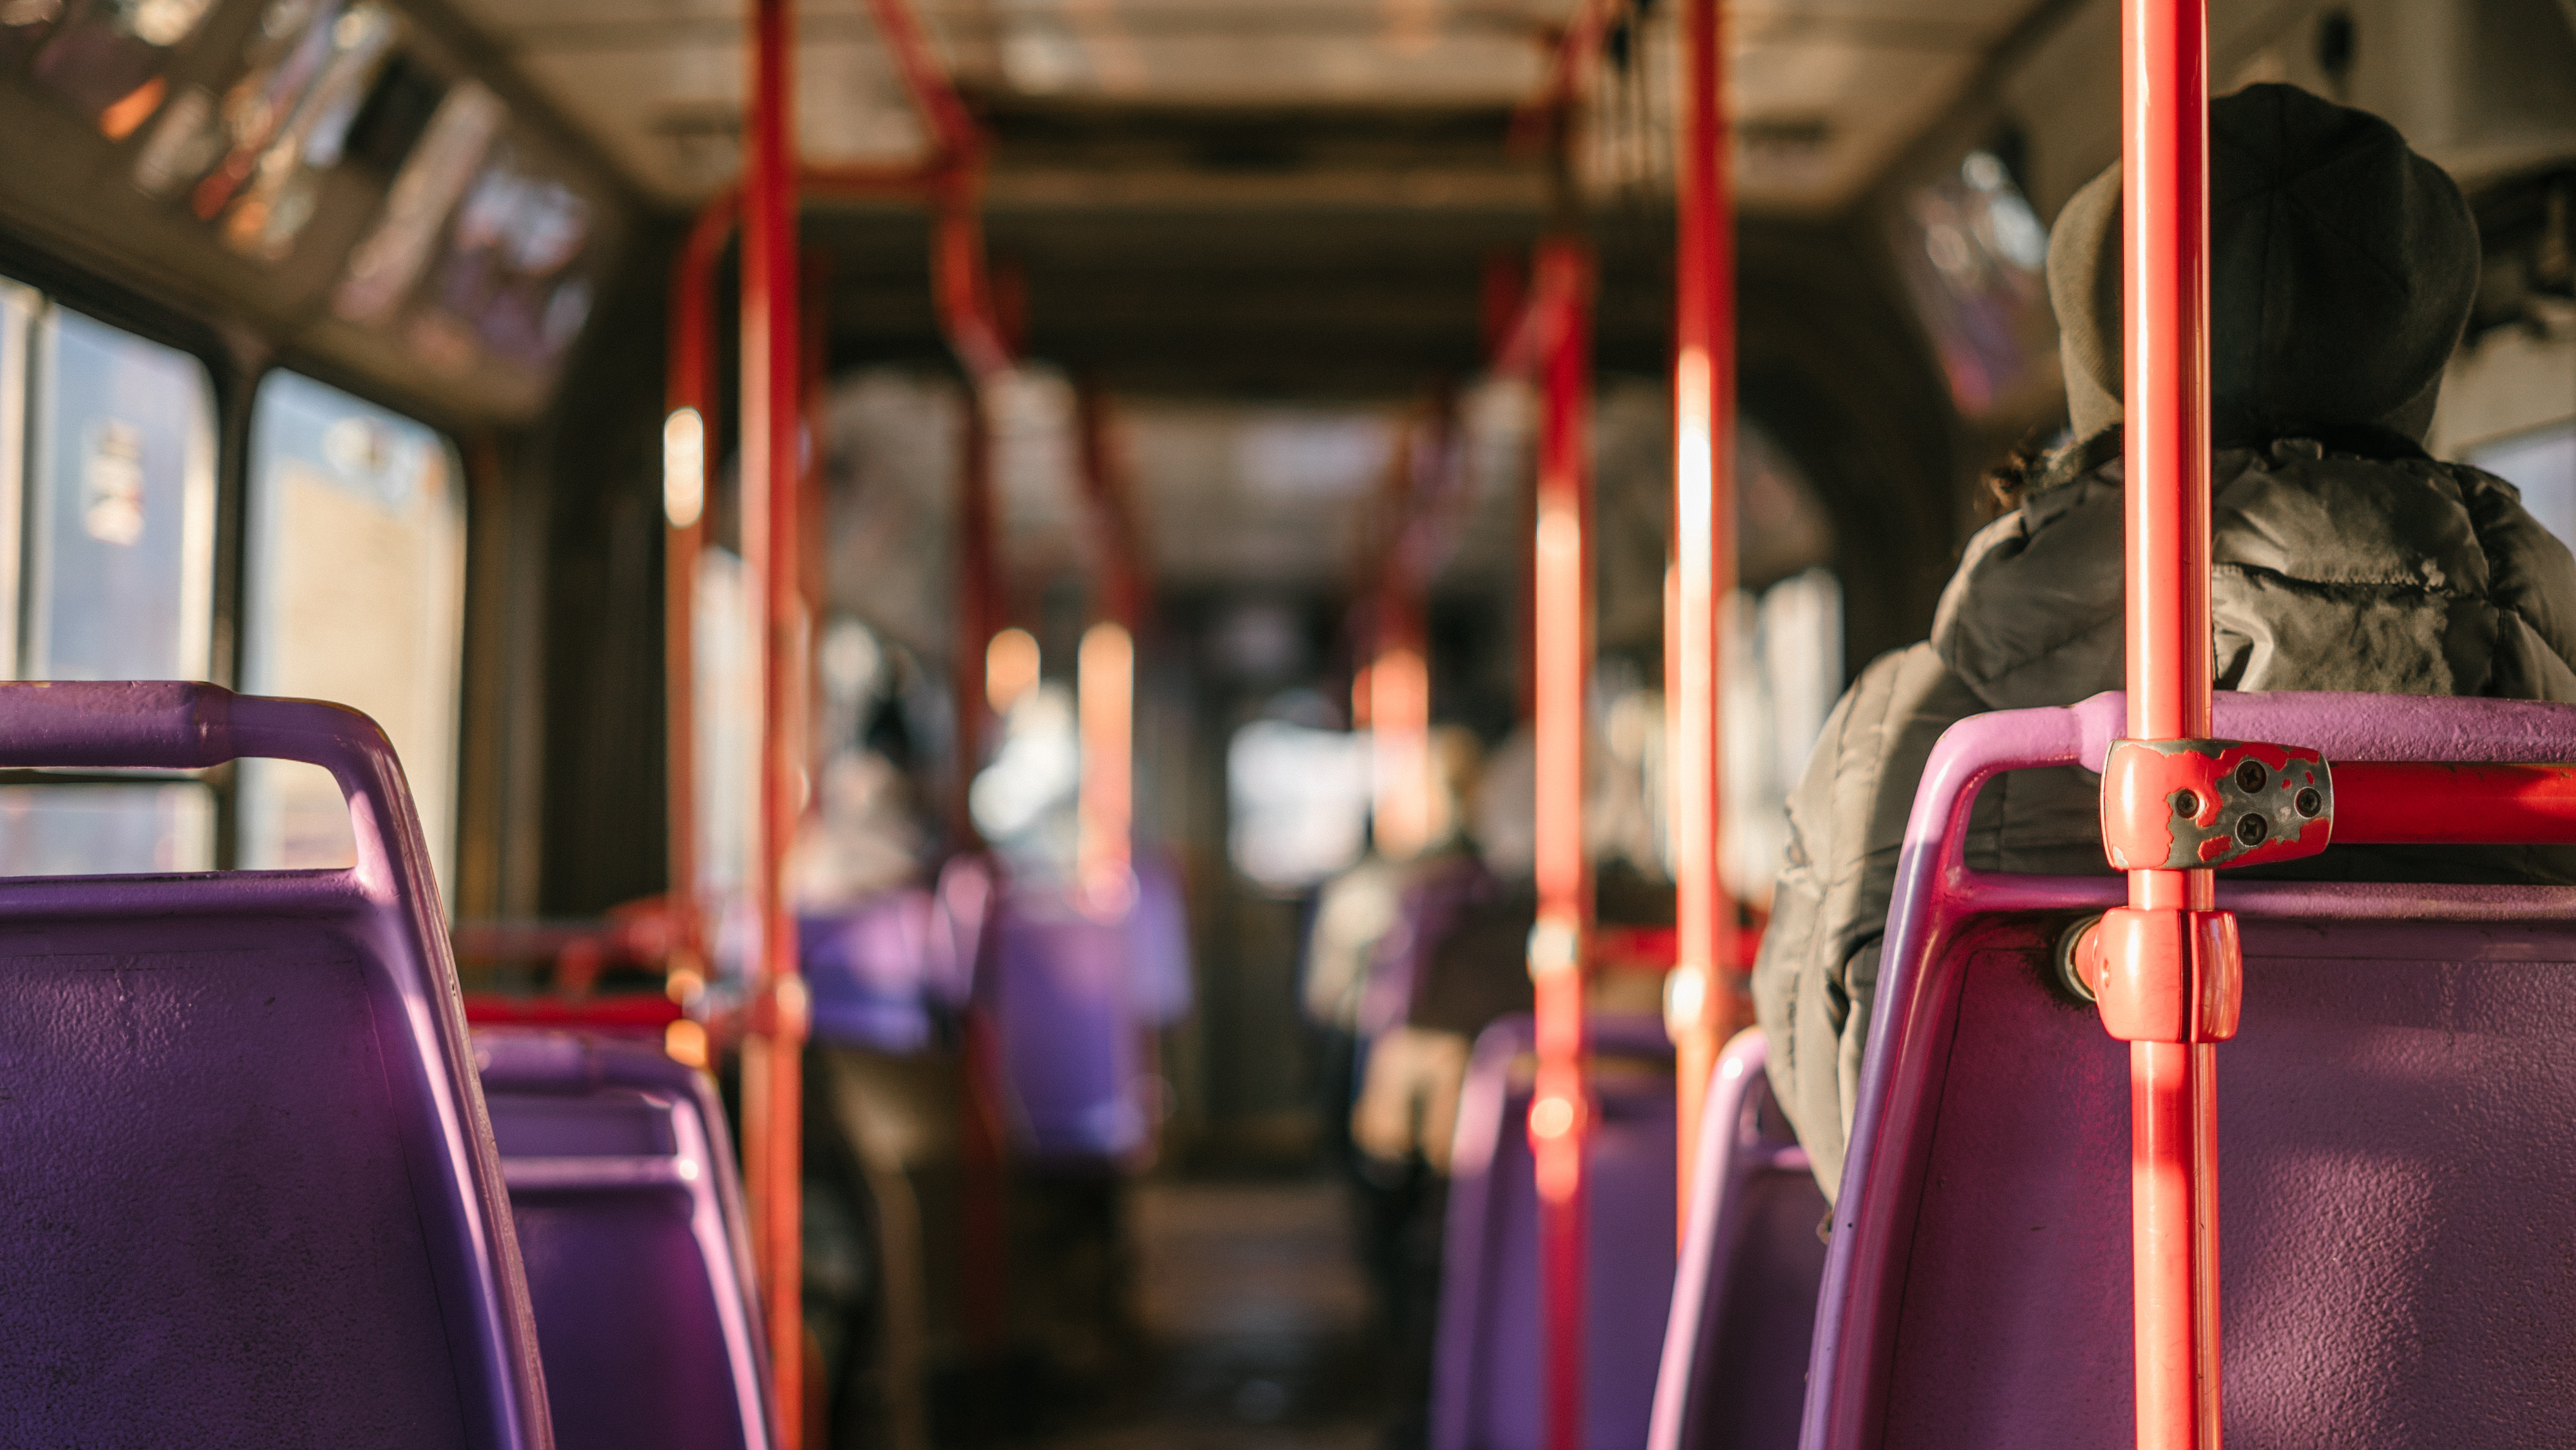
[
  {"x": 356, "y": 577},
  {"x": 2542, "y": 464},
  {"x": 103, "y": 830},
  {"x": 122, "y": 561}
]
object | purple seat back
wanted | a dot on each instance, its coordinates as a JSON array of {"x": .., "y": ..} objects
[
  {"x": 630, "y": 1220},
  {"x": 252, "y": 1198},
  {"x": 2397, "y": 1153},
  {"x": 1062, "y": 1002},
  {"x": 1426, "y": 914},
  {"x": 1734, "y": 1370},
  {"x": 871, "y": 972},
  {"x": 1485, "y": 1386}
]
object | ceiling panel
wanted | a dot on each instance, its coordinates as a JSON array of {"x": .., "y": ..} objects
[{"x": 1825, "y": 91}]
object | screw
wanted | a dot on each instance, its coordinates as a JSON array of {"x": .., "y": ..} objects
[
  {"x": 2185, "y": 803},
  {"x": 2250, "y": 776},
  {"x": 2310, "y": 803},
  {"x": 2251, "y": 828}
]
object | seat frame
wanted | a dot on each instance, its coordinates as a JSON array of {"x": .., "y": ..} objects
[
  {"x": 384, "y": 911},
  {"x": 701, "y": 1169},
  {"x": 1941, "y": 905}
]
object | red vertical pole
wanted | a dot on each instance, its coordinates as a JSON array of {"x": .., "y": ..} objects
[
  {"x": 984, "y": 1235},
  {"x": 689, "y": 388},
  {"x": 1397, "y": 694},
  {"x": 2165, "y": 202},
  {"x": 1561, "y": 648},
  {"x": 771, "y": 1068},
  {"x": 1703, "y": 564}
]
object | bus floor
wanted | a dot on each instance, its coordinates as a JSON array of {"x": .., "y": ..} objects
[{"x": 1253, "y": 1328}]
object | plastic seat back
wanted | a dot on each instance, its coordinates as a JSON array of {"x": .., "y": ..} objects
[
  {"x": 251, "y": 1197},
  {"x": 1062, "y": 1000},
  {"x": 1485, "y": 1389},
  {"x": 2396, "y": 1150},
  {"x": 870, "y": 970},
  {"x": 1734, "y": 1370},
  {"x": 624, "y": 1184}
]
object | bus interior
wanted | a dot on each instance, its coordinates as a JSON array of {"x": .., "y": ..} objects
[{"x": 1112, "y": 683}]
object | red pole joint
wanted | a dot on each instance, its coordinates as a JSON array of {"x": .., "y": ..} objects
[
  {"x": 2165, "y": 976},
  {"x": 2180, "y": 805}
]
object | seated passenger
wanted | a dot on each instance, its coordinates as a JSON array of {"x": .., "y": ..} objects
[{"x": 2343, "y": 266}]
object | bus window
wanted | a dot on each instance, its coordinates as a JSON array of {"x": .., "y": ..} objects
[
  {"x": 87, "y": 829},
  {"x": 17, "y": 320},
  {"x": 121, "y": 558},
  {"x": 355, "y": 579},
  {"x": 2542, "y": 464}
]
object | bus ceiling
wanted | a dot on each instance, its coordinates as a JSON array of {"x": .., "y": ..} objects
[{"x": 470, "y": 177}]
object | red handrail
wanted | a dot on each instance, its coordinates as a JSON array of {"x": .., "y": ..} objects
[
  {"x": 2173, "y": 1098},
  {"x": 2461, "y": 805},
  {"x": 689, "y": 387},
  {"x": 1703, "y": 569},
  {"x": 1552, "y": 337},
  {"x": 772, "y": 1047}
]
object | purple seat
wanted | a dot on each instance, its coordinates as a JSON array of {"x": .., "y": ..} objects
[
  {"x": 252, "y": 1198},
  {"x": 1061, "y": 1000},
  {"x": 870, "y": 971},
  {"x": 1073, "y": 996},
  {"x": 1485, "y": 1386},
  {"x": 2397, "y": 1153},
  {"x": 630, "y": 1220},
  {"x": 1734, "y": 1368}
]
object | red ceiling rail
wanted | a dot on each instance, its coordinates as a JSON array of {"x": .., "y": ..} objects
[
  {"x": 1552, "y": 338},
  {"x": 2173, "y": 927},
  {"x": 772, "y": 1046},
  {"x": 1703, "y": 564},
  {"x": 1569, "y": 61}
]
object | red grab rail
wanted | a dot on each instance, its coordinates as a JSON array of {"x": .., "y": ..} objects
[
  {"x": 1554, "y": 338},
  {"x": 771, "y": 409},
  {"x": 2171, "y": 931},
  {"x": 1703, "y": 565}
]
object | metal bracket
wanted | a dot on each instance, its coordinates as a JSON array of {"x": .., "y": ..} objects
[
  {"x": 2162, "y": 976},
  {"x": 2187, "y": 805}
]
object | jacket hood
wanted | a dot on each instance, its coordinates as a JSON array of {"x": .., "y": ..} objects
[{"x": 2342, "y": 270}]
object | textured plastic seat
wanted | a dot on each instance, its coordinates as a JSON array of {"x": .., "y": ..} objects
[
  {"x": 251, "y": 1198},
  {"x": 630, "y": 1221},
  {"x": 2397, "y": 1150},
  {"x": 1485, "y": 1390},
  {"x": 1734, "y": 1368}
]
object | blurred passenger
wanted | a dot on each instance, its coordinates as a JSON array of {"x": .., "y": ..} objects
[{"x": 2343, "y": 266}]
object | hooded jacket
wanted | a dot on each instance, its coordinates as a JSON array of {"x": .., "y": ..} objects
[{"x": 2343, "y": 267}]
